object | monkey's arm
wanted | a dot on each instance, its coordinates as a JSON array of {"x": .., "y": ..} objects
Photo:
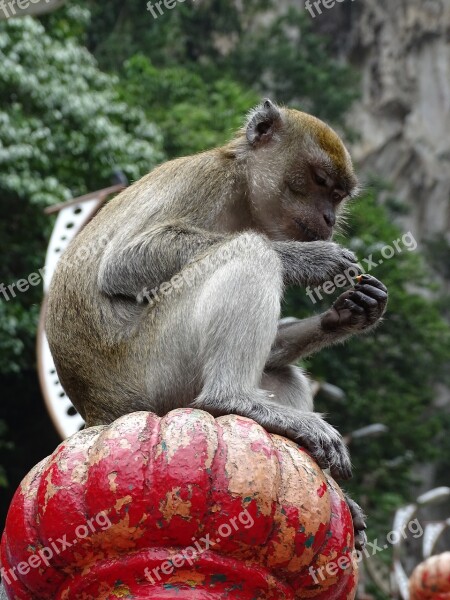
[
  {"x": 151, "y": 258},
  {"x": 312, "y": 263},
  {"x": 356, "y": 311}
]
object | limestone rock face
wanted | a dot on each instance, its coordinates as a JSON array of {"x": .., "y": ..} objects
[{"x": 402, "y": 49}]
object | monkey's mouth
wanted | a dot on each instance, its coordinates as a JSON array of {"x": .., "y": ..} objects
[{"x": 309, "y": 234}]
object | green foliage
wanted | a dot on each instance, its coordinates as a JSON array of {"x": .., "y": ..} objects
[
  {"x": 62, "y": 130},
  {"x": 388, "y": 376},
  {"x": 188, "y": 33},
  {"x": 295, "y": 66},
  {"x": 193, "y": 114},
  {"x": 223, "y": 39}
]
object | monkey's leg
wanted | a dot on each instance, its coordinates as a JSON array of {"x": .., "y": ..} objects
[
  {"x": 236, "y": 317},
  {"x": 289, "y": 386}
]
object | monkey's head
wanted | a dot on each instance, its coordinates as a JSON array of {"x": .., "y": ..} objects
[{"x": 299, "y": 173}]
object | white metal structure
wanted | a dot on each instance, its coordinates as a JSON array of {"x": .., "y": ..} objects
[{"x": 72, "y": 217}]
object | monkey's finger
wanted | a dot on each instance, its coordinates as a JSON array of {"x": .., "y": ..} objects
[
  {"x": 368, "y": 279},
  {"x": 365, "y": 301},
  {"x": 309, "y": 443},
  {"x": 344, "y": 466},
  {"x": 353, "y": 307},
  {"x": 357, "y": 514},
  {"x": 316, "y": 451},
  {"x": 373, "y": 292},
  {"x": 328, "y": 456},
  {"x": 340, "y": 302},
  {"x": 351, "y": 257},
  {"x": 360, "y": 540},
  {"x": 358, "y": 521},
  {"x": 339, "y": 460},
  {"x": 341, "y": 472}
]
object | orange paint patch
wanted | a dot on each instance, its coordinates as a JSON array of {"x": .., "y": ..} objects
[
  {"x": 112, "y": 481},
  {"x": 191, "y": 578},
  {"x": 173, "y": 505},
  {"x": 121, "y": 502},
  {"x": 283, "y": 549},
  {"x": 118, "y": 537},
  {"x": 50, "y": 490}
]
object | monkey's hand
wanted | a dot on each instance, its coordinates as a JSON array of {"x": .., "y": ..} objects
[
  {"x": 358, "y": 309},
  {"x": 327, "y": 260},
  {"x": 313, "y": 263},
  {"x": 359, "y": 523}
]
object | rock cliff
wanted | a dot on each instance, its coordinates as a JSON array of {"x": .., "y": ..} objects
[{"x": 402, "y": 49}]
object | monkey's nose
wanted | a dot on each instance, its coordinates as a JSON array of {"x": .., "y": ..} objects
[{"x": 330, "y": 219}]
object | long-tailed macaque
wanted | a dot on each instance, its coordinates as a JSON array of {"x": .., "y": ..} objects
[{"x": 181, "y": 307}]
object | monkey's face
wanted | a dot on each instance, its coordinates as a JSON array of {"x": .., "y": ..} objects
[
  {"x": 301, "y": 175},
  {"x": 313, "y": 197}
]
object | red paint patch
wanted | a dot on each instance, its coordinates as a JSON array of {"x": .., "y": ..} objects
[{"x": 322, "y": 490}]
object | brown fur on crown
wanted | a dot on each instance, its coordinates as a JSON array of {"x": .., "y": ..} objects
[{"x": 326, "y": 137}]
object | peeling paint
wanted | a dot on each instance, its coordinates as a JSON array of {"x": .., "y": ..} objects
[
  {"x": 173, "y": 505},
  {"x": 165, "y": 484}
]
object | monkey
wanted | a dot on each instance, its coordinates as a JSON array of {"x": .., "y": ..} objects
[{"x": 217, "y": 237}]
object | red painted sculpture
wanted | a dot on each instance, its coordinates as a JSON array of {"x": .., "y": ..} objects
[
  {"x": 431, "y": 579},
  {"x": 183, "y": 507}
]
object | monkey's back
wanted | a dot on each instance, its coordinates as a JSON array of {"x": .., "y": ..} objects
[{"x": 89, "y": 332}]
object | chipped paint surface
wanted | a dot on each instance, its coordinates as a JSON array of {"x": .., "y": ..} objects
[
  {"x": 258, "y": 478},
  {"x": 164, "y": 485},
  {"x": 173, "y": 505}
]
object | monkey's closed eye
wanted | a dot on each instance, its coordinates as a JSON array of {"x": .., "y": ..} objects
[{"x": 319, "y": 179}]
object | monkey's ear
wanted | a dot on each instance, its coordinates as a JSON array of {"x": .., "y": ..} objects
[{"x": 262, "y": 122}]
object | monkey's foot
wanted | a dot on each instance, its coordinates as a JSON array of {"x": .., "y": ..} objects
[
  {"x": 359, "y": 523},
  {"x": 358, "y": 309},
  {"x": 324, "y": 443},
  {"x": 307, "y": 429}
]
